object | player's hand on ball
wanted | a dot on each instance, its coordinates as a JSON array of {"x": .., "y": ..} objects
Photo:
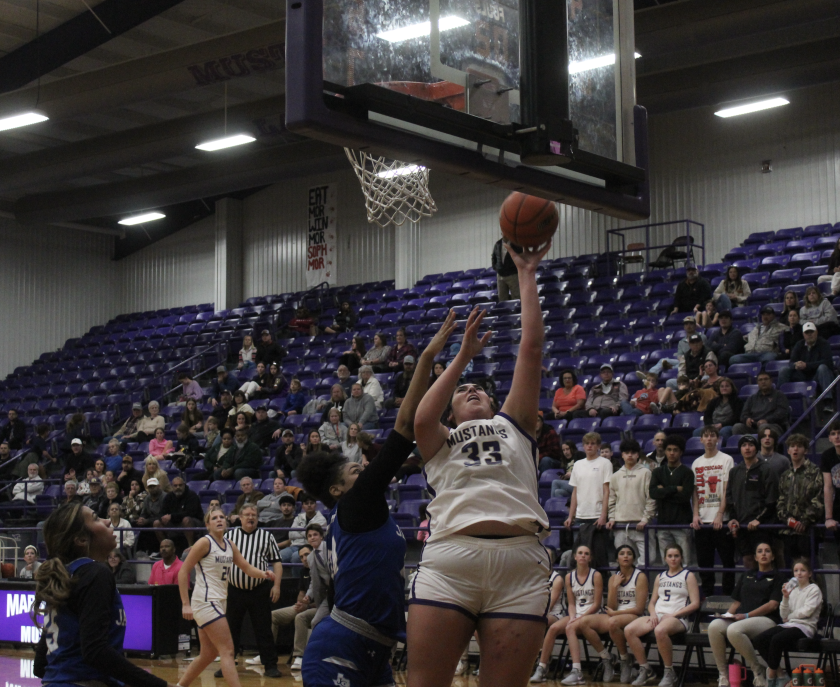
[
  {"x": 186, "y": 611},
  {"x": 529, "y": 258}
]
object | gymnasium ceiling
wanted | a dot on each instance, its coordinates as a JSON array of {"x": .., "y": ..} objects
[{"x": 128, "y": 105}]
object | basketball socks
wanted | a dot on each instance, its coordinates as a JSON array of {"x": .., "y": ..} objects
[
  {"x": 576, "y": 666},
  {"x": 623, "y": 657},
  {"x": 604, "y": 654},
  {"x": 543, "y": 665}
]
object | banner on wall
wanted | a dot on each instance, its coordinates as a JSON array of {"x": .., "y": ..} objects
[{"x": 321, "y": 246}]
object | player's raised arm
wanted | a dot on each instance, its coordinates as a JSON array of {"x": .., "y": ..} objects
[{"x": 522, "y": 403}]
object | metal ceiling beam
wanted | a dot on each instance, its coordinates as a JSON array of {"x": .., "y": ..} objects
[
  {"x": 118, "y": 233},
  {"x": 237, "y": 55},
  {"x": 227, "y": 175},
  {"x": 74, "y": 38}
]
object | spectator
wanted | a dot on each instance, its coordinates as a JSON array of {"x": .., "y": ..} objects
[
  {"x": 821, "y": 312},
  {"x": 334, "y": 431},
  {"x": 148, "y": 425},
  {"x": 350, "y": 447},
  {"x": 190, "y": 389},
  {"x": 507, "y": 274},
  {"x": 132, "y": 504},
  {"x": 708, "y": 316},
  {"x": 810, "y": 360},
  {"x": 240, "y": 405},
  {"x": 377, "y": 357},
  {"x": 401, "y": 350},
  {"x": 604, "y": 399},
  {"x": 127, "y": 474},
  {"x": 755, "y": 607},
  {"x": 70, "y": 489},
  {"x": 181, "y": 508},
  {"x": 30, "y": 563},
  {"x": 288, "y": 454},
  {"x": 280, "y": 384},
  {"x": 337, "y": 400},
  {"x": 211, "y": 432},
  {"x": 28, "y": 488},
  {"x": 692, "y": 293},
  {"x": 247, "y": 354},
  {"x": 769, "y": 441},
  {"x": 401, "y": 383},
  {"x": 187, "y": 448},
  {"x": 214, "y": 455},
  {"x": 243, "y": 460},
  {"x": 690, "y": 328},
  {"x": 360, "y": 408},
  {"x": 221, "y": 411},
  {"x": 672, "y": 486},
  {"x": 303, "y": 609},
  {"x": 732, "y": 291},
  {"x": 263, "y": 429},
  {"x": 84, "y": 484},
  {"x": 36, "y": 453},
  {"x": 262, "y": 381},
  {"x": 723, "y": 411},
  {"x": 96, "y": 494},
  {"x": 123, "y": 539},
  {"x": 751, "y": 492},
  {"x": 371, "y": 386},
  {"x": 149, "y": 513},
  {"x": 569, "y": 397},
  {"x": 77, "y": 462},
  {"x": 830, "y": 467},
  {"x": 649, "y": 400},
  {"x": 121, "y": 569},
  {"x": 343, "y": 374},
  {"x": 269, "y": 351},
  {"x": 691, "y": 364},
  {"x": 308, "y": 515},
  {"x": 791, "y": 302},
  {"x": 800, "y": 504},
  {"x": 352, "y": 358},
  {"x": 249, "y": 496},
  {"x": 224, "y": 381},
  {"x": 76, "y": 428},
  {"x": 128, "y": 430},
  {"x": 656, "y": 457},
  {"x": 631, "y": 507},
  {"x": 794, "y": 334},
  {"x": 763, "y": 341},
  {"x": 833, "y": 274},
  {"x": 113, "y": 456},
  {"x": 766, "y": 407},
  {"x": 160, "y": 446},
  {"x": 343, "y": 321},
  {"x": 369, "y": 449},
  {"x": 726, "y": 341},
  {"x": 165, "y": 571},
  {"x": 112, "y": 496},
  {"x": 269, "y": 507},
  {"x": 313, "y": 443},
  {"x": 293, "y": 405},
  {"x": 14, "y": 431},
  {"x": 242, "y": 421},
  {"x": 590, "y": 482},
  {"x": 711, "y": 473},
  {"x": 548, "y": 446},
  {"x": 193, "y": 418},
  {"x": 153, "y": 470},
  {"x": 303, "y": 323}
]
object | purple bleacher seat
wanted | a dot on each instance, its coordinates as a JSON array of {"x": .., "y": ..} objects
[
  {"x": 662, "y": 289},
  {"x": 773, "y": 366},
  {"x": 621, "y": 423},
  {"x": 608, "y": 295},
  {"x": 747, "y": 390},
  {"x": 626, "y": 342},
  {"x": 620, "y": 324},
  {"x": 556, "y": 506},
  {"x": 687, "y": 421},
  {"x": 594, "y": 362},
  {"x": 616, "y": 310},
  {"x": 811, "y": 273},
  {"x": 817, "y": 230},
  {"x": 743, "y": 372},
  {"x": 785, "y": 276},
  {"x": 656, "y": 422},
  {"x": 770, "y": 248},
  {"x": 773, "y": 263},
  {"x": 789, "y": 234},
  {"x": 805, "y": 259},
  {"x": 580, "y": 426},
  {"x": 654, "y": 341},
  {"x": 800, "y": 246},
  {"x": 629, "y": 362},
  {"x": 826, "y": 242},
  {"x": 748, "y": 265},
  {"x": 765, "y": 295},
  {"x": 740, "y": 253},
  {"x": 802, "y": 390},
  {"x": 746, "y": 312}
]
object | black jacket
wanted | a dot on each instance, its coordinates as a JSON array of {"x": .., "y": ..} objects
[
  {"x": 818, "y": 354},
  {"x": 261, "y": 432},
  {"x": 732, "y": 342},
  {"x": 14, "y": 433},
  {"x": 689, "y": 295},
  {"x": 179, "y": 507},
  {"x": 287, "y": 462},
  {"x": 737, "y": 407},
  {"x": 752, "y": 494},
  {"x": 125, "y": 482},
  {"x": 501, "y": 261},
  {"x": 270, "y": 353}
]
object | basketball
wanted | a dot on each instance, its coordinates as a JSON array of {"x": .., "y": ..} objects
[{"x": 527, "y": 220}]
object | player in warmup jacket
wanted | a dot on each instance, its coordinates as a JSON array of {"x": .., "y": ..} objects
[
  {"x": 84, "y": 619},
  {"x": 483, "y": 566},
  {"x": 213, "y": 555},
  {"x": 366, "y": 551},
  {"x": 676, "y": 595}
]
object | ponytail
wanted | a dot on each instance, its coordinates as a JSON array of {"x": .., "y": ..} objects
[{"x": 53, "y": 587}]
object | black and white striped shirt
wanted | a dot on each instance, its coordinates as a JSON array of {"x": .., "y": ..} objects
[{"x": 258, "y": 548}]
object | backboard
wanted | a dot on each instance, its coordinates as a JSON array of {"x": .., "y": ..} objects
[{"x": 530, "y": 95}]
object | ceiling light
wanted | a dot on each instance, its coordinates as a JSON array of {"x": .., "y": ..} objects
[
  {"x": 424, "y": 28},
  {"x": 400, "y": 172},
  {"x": 226, "y": 142},
  {"x": 24, "y": 119},
  {"x": 752, "y": 107},
  {"x": 140, "y": 219},
  {"x": 595, "y": 63}
]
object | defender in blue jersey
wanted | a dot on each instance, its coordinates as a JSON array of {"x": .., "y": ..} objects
[
  {"x": 84, "y": 620},
  {"x": 366, "y": 551}
]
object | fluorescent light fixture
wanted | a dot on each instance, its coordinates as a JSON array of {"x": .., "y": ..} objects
[
  {"x": 140, "y": 219},
  {"x": 595, "y": 63},
  {"x": 424, "y": 28},
  {"x": 400, "y": 172},
  {"x": 23, "y": 119},
  {"x": 752, "y": 107},
  {"x": 227, "y": 142}
]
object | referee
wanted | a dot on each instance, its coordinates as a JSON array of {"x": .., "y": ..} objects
[{"x": 250, "y": 595}]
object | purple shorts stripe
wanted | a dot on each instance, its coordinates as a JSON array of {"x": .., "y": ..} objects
[
  {"x": 444, "y": 604},
  {"x": 515, "y": 616}
]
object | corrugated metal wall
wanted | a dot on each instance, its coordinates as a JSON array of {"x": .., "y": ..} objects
[
  {"x": 178, "y": 270},
  {"x": 54, "y": 284}
]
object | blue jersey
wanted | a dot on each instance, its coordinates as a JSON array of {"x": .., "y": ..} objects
[
  {"x": 63, "y": 637},
  {"x": 367, "y": 573}
]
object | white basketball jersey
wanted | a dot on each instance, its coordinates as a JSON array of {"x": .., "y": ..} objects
[
  {"x": 211, "y": 580},
  {"x": 627, "y": 593},
  {"x": 559, "y": 609},
  {"x": 486, "y": 470},
  {"x": 584, "y": 593},
  {"x": 673, "y": 592}
]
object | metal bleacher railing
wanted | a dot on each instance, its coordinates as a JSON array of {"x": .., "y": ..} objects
[{"x": 672, "y": 241}]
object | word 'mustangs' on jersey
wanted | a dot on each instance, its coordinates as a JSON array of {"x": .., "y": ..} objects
[{"x": 467, "y": 433}]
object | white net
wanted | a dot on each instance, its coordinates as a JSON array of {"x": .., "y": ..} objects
[{"x": 394, "y": 191}]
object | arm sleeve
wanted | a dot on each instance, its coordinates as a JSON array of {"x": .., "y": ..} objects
[{"x": 364, "y": 508}]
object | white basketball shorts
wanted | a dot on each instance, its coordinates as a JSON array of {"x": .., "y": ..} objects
[{"x": 206, "y": 612}]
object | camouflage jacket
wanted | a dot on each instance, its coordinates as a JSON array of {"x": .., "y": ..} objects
[{"x": 801, "y": 495}]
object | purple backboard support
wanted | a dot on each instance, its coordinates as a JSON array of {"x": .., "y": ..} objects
[{"x": 307, "y": 113}]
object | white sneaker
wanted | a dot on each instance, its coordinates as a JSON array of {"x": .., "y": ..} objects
[
  {"x": 574, "y": 678},
  {"x": 253, "y": 661},
  {"x": 758, "y": 678},
  {"x": 723, "y": 680},
  {"x": 461, "y": 669},
  {"x": 626, "y": 670},
  {"x": 669, "y": 679},
  {"x": 645, "y": 675},
  {"x": 539, "y": 674},
  {"x": 609, "y": 671},
  {"x": 297, "y": 664}
]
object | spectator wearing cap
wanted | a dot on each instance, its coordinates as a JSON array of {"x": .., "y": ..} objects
[
  {"x": 726, "y": 341},
  {"x": 288, "y": 454},
  {"x": 14, "y": 431},
  {"x": 269, "y": 507},
  {"x": 692, "y": 293},
  {"x": 77, "y": 461},
  {"x": 96, "y": 497},
  {"x": 127, "y": 473},
  {"x": 751, "y": 494},
  {"x": 361, "y": 409},
  {"x": 268, "y": 351},
  {"x": 763, "y": 341},
  {"x": 150, "y": 512},
  {"x": 767, "y": 407},
  {"x": 221, "y": 411},
  {"x": 401, "y": 384},
  {"x": 692, "y": 363},
  {"x": 224, "y": 381},
  {"x": 128, "y": 431},
  {"x": 399, "y": 351},
  {"x": 263, "y": 428},
  {"x": 732, "y": 291},
  {"x": 190, "y": 389},
  {"x": 810, "y": 360},
  {"x": 690, "y": 328},
  {"x": 605, "y": 398}
]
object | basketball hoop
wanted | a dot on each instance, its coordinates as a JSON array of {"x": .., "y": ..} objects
[{"x": 394, "y": 191}]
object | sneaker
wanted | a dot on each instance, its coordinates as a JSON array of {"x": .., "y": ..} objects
[
  {"x": 669, "y": 679},
  {"x": 218, "y": 673},
  {"x": 475, "y": 672},
  {"x": 626, "y": 670},
  {"x": 723, "y": 680},
  {"x": 609, "y": 671},
  {"x": 462, "y": 667},
  {"x": 655, "y": 409},
  {"x": 758, "y": 678},
  {"x": 574, "y": 678},
  {"x": 645, "y": 675},
  {"x": 297, "y": 664},
  {"x": 272, "y": 672},
  {"x": 253, "y": 661},
  {"x": 668, "y": 408},
  {"x": 538, "y": 676}
]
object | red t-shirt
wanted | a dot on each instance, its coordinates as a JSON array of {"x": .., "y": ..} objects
[
  {"x": 160, "y": 575},
  {"x": 565, "y": 402},
  {"x": 644, "y": 397}
]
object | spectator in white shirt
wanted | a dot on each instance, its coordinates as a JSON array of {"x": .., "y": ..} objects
[{"x": 29, "y": 487}]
